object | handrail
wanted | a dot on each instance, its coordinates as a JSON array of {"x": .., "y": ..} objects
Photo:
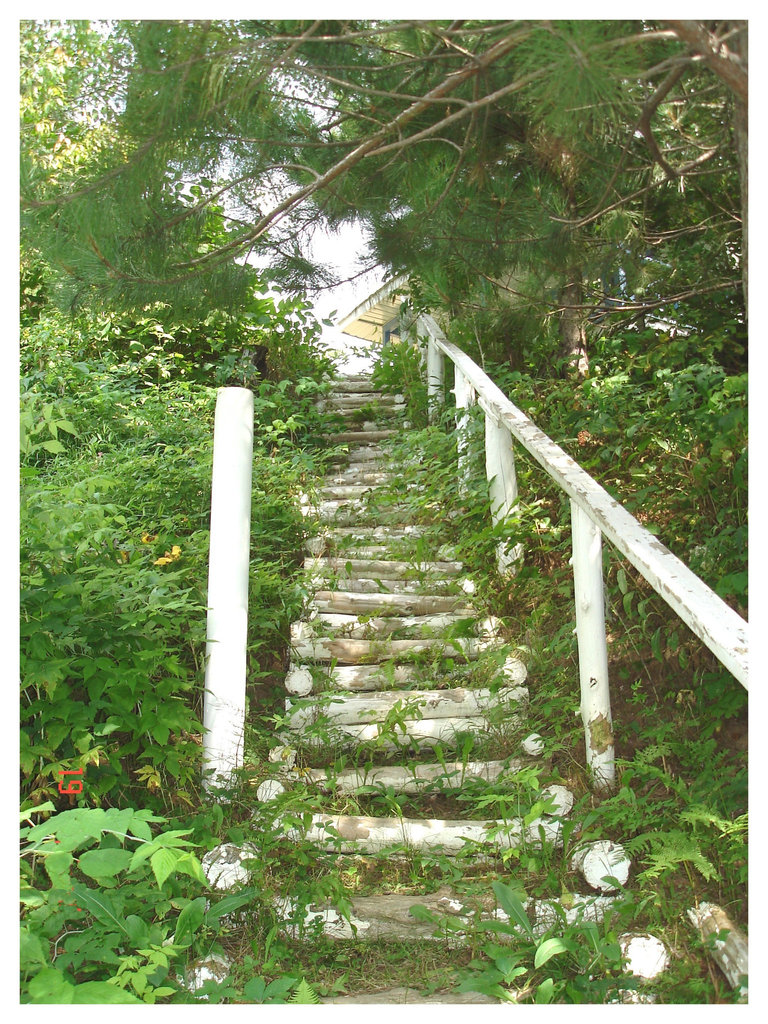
[{"x": 709, "y": 617}]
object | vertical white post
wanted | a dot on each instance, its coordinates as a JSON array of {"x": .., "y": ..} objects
[
  {"x": 465, "y": 397},
  {"x": 593, "y": 653},
  {"x": 502, "y": 488},
  {"x": 228, "y": 565},
  {"x": 435, "y": 376}
]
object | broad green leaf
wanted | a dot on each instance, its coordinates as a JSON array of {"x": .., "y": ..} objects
[
  {"x": 277, "y": 988},
  {"x": 137, "y": 930},
  {"x": 57, "y": 867},
  {"x": 254, "y": 990},
  {"x": 548, "y": 949},
  {"x": 163, "y": 864},
  {"x": 512, "y": 904},
  {"x": 188, "y": 864},
  {"x": 31, "y": 949},
  {"x": 100, "y": 905},
  {"x": 50, "y": 986},
  {"x": 26, "y": 814},
  {"x": 546, "y": 991},
  {"x": 104, "y": 863},
  {"x": 230, "y": 904},
  {"x": 189, "y": 921},
  {"x": 56, "y": 447},
  {"x": 102, "y": 992},
  {"x": 140, "y": 829}
]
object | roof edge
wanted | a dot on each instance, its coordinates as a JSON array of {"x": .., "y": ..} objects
[{"x": 381, "y": 293}]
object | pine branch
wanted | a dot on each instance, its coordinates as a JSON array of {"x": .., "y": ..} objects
[{"x": 726, "y": 64}]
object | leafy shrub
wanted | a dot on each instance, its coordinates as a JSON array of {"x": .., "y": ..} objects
[{"x": 106, "y": 871}]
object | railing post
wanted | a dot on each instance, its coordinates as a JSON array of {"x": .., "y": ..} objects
[
  {"x": 502, "y": 488},
  {"x": 593, "y": 654},
  {"x": 224, "y": 706},
  {"x": 465, "y": 397},
  {"x": 435, "y": 378}
]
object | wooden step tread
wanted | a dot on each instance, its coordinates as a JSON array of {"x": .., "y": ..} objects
[
  {"x": 361, "y": 652},
  {"x": 414, "y": 704},
  {"x": 337, "y": 626},
  {"x": 423, "y": 733},
  {"x": 400, "y": 531},
  {"x": 352, "y": 386},
  {"x": 389, "y": 674},
  {"x": 413, "y": 778},
  {"x": 353, "y": 833},
  {"x": 409, "y": 996},
  {"x": 353, "y": 476},
  {"x": 361, "y": 437},
  {"x": 391, "y": 916},
  {"x": 361, "y": 585},
  {"x": 388, "y": 604},
  {"x": 386, "y": 568}
]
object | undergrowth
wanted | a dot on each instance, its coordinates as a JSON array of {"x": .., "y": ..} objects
[{"x": 116, "y": 466}]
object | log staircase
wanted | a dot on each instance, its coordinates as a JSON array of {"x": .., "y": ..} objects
[
  {"x": 396, "y": 679},
  {"x": 406, "y": 705}
]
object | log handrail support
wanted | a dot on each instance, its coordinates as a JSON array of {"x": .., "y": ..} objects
[
  {"x": 228, "y": 573},
  {"x": 594, "y": 514}
]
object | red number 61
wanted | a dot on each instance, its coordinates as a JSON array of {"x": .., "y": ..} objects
[{"x": 74, "y": 785}]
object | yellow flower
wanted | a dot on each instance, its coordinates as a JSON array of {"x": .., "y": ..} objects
[
  {"x": 170, "y": 556},
  {"x": 147, "y": 538}
]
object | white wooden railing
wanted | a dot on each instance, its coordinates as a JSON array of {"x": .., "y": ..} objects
[{"x": 594, "y": 513}]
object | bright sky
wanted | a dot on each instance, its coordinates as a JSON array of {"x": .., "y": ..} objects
[{"x": 343, "y": 251}]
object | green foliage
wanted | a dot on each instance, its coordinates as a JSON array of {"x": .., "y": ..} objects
[
  {"x": 105, "y": 870},
  {"x": 398, "y": 370},
  {"x": 115, "y": 508},
  {"x": 583, "y": 960}
]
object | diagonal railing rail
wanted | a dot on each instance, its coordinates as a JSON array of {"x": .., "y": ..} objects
[{"x": 594, "y": 514}]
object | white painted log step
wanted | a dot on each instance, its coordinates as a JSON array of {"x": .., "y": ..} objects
[
  {"x": 385, "y": 586},
  {"x": 360, "y": 437},
  {"x": 355, "y": 627},
  {"x": 353, "y": 510},
  {"x": 398, "y": 531},
  {"x": 390, "y": 569},
  {"x": 390, "y": 917},
  {"x": 361, "y": 834},
  {"x": 365, "y": 678},
  {"x": 388, "y": 674},
  {"x": 343, "y": 492},
  {"x": 367, "y": 453},
  {"x": 331, "y": 625},
  {"x": 360, "y": 652},
  {"x": 376, "y": 410},
  {"x": 458, "y": 702},
  {"x": 385, "y": 737},
  {"x": 409, "y": 996},
  {"x": 353, "y": 386},
  {"x": 358, "y": 399},
  {"x": 413, "y": 778},
  {"x": 354, "y": 475},
  {"x": 355, "y": 398},
  {"x": 388, "y": 604}
]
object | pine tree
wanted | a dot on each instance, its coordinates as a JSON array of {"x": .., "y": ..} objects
[{"x": 541, "y": 173}]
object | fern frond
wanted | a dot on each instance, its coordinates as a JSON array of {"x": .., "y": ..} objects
[
  {"x": 304, "y": 994},
  {"x": 668, "y": 849}
]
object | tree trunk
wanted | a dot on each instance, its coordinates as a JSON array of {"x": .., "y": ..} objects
[
  {"x": 573, "y": 338},
  {"x": 740, "y": 137}
]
